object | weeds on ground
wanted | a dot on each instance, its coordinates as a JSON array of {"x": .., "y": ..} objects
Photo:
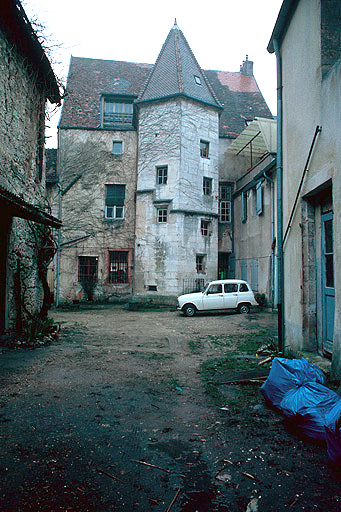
[{"x": 238, "y": 348}]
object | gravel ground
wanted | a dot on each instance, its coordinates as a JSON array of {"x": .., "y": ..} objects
[{"x": 114, "y": 415}]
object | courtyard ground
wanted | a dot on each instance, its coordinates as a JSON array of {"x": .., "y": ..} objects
[{"x": 128, "y": 411}]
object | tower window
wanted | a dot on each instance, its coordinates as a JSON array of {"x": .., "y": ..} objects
[
  {"x": 207, "y": 186},
  {"x": 204, "y": 149},
  {"x": 162, "y": 175}
]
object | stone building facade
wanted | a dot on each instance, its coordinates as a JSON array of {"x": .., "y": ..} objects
[
  {"x": 26, "y": 82},
  {"x": 141, "y": 155}
]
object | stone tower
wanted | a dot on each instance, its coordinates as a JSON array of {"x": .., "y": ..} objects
[{"x": 177, "y": 174}]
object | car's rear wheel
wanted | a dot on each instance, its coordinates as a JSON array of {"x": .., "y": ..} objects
[
  {"x": 244, "y": 308},
  {"x": 189, "y": 310}
]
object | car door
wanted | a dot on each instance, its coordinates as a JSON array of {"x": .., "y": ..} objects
[
  {"x": 214, "y": 298},
  {"x": 230, "y": 295}
]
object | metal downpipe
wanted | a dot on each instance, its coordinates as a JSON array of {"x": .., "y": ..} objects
[{"x": 279, "y": 173}]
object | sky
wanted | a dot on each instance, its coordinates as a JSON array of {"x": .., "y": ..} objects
[{"x": 220, "y": 33}]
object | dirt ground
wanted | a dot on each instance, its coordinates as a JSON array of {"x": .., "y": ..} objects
[{"x": 119, "y": 414}]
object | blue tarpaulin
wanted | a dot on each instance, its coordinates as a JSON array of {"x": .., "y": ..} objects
[
  {"x": 286, "y": 374},
  {"x": 296, "y": 387}
]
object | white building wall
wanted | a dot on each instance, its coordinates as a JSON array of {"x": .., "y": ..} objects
[{"x": 170, "y": 134}]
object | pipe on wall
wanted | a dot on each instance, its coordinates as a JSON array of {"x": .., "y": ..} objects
[{"x": 279, "y": 173}]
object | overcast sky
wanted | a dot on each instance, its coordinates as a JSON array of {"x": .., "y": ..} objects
[{"x": 220, "y": 32}]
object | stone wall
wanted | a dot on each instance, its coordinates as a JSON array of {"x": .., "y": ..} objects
[
  {"x": 87, "y": 165},
  {"x": 22, "y": 107},
  {"x": 170, "y": 134}
]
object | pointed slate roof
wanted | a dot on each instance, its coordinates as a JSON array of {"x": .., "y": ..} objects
[{"x": 177, "y": 73}]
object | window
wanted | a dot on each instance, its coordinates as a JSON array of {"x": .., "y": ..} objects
[
  {"x": 215, "y": 288},
  {"x": 243, "y": 288},
  {"x": 117, "y": 147},
  {"x": 197, "y": 79},
  {"x": 200, "y": 262},
  {"x": 114, "y": 201},
  {"x": 117, "y": 114},
  {"x": 87, "y": 268},
  {"x": 230, "y": 287},
  {"x": 205, "y": 227},
  {"x": 118, "y": 267},
  {"x": 204, "y": 149},
  {"x": 225, "y": 204},
  {"x": 207, "y": 186},
  {"x": 244, "y": 206},
  {"x": 162, "y": 214},
  {"x": 259, "y": 198},
  {"x": 162, "y": 175}
]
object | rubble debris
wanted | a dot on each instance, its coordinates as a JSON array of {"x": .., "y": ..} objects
[
  {"x": 109, "y": 475},
  {"x": 252, "y": 506},
  {"x": 174, "y": 500},
  {"x": 150, "y": 465},
  {"x": 223, "y": 476},
  {"x": 249, "y": 475},
  {"x": 264, "y": 361}
]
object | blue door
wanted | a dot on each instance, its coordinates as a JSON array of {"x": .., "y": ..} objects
[{"x": 328, "y": 290}]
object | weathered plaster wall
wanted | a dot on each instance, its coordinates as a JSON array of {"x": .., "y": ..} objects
[
  {"x": 253, "y": 238},
  {"x": 308, "y": 101},
  {"x": 22, "y": 106},
  {"x": 87, "y": 165},
  {"x": 170, "y": 134}
]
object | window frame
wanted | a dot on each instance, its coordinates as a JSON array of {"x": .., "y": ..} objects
[
  {"x": 113, "y": 146},
  {"x": 225, "y": 204},
  {"x": 88, "y": 266},
  {"x": 162, "y": 218},
  {"x": 116, "y": 208},
  {"x": 200, "y": 263},
  {"x": 161, "y": 177},
  {"x": 205, "y": 227},
  {"x": 204, "y": 148},
  {"x": 120, "y": 263},
  {"x": 197, "y": 79},
  {"x": 207, "y": 185},
  {"x": 116, "y": 119}
]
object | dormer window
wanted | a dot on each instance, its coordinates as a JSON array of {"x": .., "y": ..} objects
[
  {"x": 117, "y": 114},
  {"x": 197, "y": 79}
]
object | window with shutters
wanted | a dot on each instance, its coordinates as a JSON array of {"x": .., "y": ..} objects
[{"x": 114, "y": 201}]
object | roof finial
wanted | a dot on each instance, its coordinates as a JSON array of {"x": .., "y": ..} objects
[{"x": 175, "y": 23}]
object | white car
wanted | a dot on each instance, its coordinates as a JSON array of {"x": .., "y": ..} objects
[{"x": 217, "y": 295}]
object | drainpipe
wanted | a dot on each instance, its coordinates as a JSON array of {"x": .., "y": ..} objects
[
  {"x": 59, "y": 217},
  {"x": 272, "y": 208},
  {"x": 279, "y": 173}
]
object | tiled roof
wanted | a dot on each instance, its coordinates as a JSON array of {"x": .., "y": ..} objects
[
  {"x": 241, "y": 99},
  {"x": 88, "y": 79},
  {"x": 177, "y": 72},
  {"x": 172, "y": 74}
]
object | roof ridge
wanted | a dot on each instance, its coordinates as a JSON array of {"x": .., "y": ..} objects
[{"x": 178, "y": 61}]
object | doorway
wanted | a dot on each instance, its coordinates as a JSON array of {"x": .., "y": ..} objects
[{"x": 328, "y": 289}]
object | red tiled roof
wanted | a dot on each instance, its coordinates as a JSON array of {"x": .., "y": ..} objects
[{"x": 237, "y": 82}]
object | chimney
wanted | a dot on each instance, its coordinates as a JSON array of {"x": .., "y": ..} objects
[{"x": 247, "y": 67}]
